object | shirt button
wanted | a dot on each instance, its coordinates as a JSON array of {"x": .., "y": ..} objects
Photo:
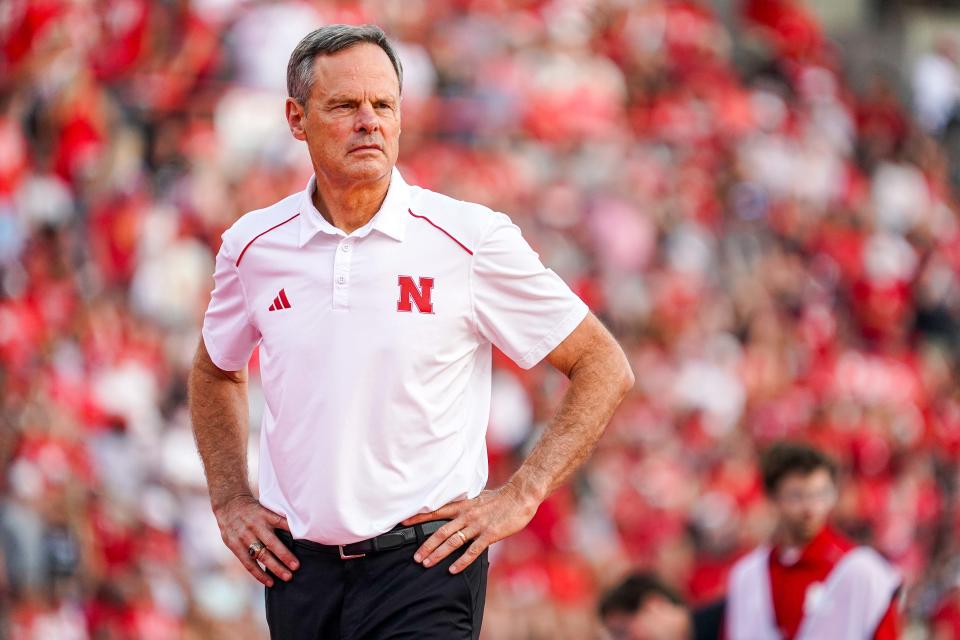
[
  {"x": 344, "y": 247},
  {"x": 341, "y": 280}
]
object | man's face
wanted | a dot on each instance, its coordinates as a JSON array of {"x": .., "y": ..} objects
[
  {"x": 657, "y": 619},
  {"x": 804, "y": 502},
  {"x": 351, "y": 122}
]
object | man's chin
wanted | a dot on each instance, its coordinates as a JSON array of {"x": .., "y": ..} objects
[
  {"x": 367, "y": 169},
  {"x": 803, "y": 533}
]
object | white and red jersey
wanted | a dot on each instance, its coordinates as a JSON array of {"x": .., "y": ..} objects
[
  {"x": 831, "y": 589},
  {"x": 375, "y": 350}
]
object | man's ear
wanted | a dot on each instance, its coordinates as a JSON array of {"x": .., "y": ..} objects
[{"x": 296, "y": 114}]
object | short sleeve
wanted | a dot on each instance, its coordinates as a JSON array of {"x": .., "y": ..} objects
[
  {"x": 522, "y": 307},
  {"x": 227, "y": 332}
]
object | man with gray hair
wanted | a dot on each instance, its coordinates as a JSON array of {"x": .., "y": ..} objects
[{"x": 375, "y": 305}]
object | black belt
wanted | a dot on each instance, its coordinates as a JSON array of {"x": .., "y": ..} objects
[{"x": 397, "y": 537}]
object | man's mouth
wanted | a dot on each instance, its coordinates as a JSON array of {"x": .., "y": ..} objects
[{"x": 366, "y": 147}]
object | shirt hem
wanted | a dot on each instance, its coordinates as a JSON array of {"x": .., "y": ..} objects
[
  {"x": 225, "y": 364},
  {"x": 557, "y": 335}
]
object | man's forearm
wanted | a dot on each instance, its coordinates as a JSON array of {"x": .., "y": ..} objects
[
  {"x": 600, "y": 377},
  {"x": 597, "y": 385},
  {"x": 219, "y": 412}
]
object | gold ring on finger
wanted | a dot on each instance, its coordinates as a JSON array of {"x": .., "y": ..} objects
[
  {"x": 255, "y": 550},
  {"x": 463, "y": 538}
]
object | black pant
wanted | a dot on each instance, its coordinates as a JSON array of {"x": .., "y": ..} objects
[{"x": 382, "y": 596}]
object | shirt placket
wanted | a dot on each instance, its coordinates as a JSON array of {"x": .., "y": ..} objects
[{"x": 341, "y": 273}]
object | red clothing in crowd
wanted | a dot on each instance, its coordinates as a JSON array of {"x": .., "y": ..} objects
[
  {"x": 789, "y": 583},
  {"x": 946, "y": 618}
]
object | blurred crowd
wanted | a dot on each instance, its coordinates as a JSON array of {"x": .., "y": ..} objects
[{"x": 776, "y": 244}]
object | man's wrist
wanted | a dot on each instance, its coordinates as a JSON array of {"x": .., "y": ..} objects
[
  {"x": 220, "y": 502},
  {"x": 527, "y": 492}
]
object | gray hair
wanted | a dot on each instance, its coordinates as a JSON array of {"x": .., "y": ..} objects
[{"x": 325, "y": 41}]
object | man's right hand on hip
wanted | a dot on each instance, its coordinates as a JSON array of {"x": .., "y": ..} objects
[{"x": 243, "y": 522}]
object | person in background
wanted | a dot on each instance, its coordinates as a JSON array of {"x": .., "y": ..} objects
[
  {"x": 811, "y": 582},
  {"x": 642, "y": 607}
]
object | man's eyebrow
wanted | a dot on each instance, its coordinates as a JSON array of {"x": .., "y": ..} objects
[{"x": 354, "y": 99}]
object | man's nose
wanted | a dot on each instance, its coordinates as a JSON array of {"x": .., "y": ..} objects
[{"x": 366, "y": 121}]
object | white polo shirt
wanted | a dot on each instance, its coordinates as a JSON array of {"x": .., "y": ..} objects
[{"x": 375, "y": 350}]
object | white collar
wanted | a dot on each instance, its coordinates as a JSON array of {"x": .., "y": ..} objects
[{"x": 389, "y": 220}]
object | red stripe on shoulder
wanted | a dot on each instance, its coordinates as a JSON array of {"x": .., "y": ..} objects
[
  {"x": 263, "y": 233},
  {"x": 441, "y": 229}
]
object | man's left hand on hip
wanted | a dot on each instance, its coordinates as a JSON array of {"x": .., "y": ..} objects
[{"x": 481, "y": 521}]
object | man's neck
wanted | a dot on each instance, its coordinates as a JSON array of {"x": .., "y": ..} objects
[
  {"x": 787, "y": 541},
  {"x": 349, "y": 207},
  {"x": 797, "y": 543}
]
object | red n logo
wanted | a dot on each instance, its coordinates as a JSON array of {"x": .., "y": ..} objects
[{"x": 411, "y": 294}]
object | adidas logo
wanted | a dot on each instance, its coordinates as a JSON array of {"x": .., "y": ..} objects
[{"x": 280, "y": 302}]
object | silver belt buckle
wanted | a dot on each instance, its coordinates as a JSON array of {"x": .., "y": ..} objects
[{"x": 344, "y": 556}]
